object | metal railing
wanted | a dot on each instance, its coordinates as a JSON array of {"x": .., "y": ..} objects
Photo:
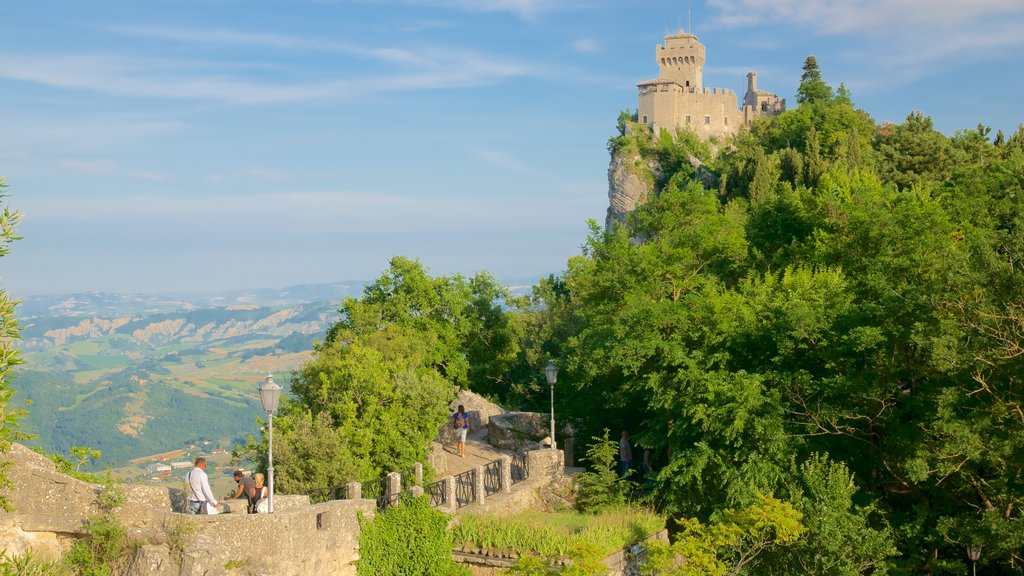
[
  {"x": 465, "y": 488},
  {"x": 377, "y": 490},
  {"x": 438, "y": 494},
  {"x": 492, "y": 478},
  {"x": 325, "y": 494},
  {"x": 520, "y": 469}
]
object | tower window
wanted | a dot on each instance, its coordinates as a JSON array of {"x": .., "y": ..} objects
[
  {"x": 726, "y": 120},
  {"x": 687, "y": 118},
  {"x": 707, "y": 119}
]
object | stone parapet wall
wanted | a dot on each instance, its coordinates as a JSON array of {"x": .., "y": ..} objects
[{"x": 50, "y": 511}]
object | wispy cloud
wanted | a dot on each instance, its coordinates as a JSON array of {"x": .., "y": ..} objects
[
  {"x": 526, "y": 9},
  {"x": 114, "y": 75},
  {"x": 863, "y": 17},
  {"x": 90, "y": 167},
  {"x": 909, "y": 39},
  {"x": 586, "y": 45},
  {"x": 504, "y": 160},
  {"x": 103, "y": 167}
]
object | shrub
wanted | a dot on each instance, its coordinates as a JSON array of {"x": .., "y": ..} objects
[
  {"x": 28, "y": 565},
  {"x": 601, "y": 488},
  {"x": 102, "y": 550},
  {"x": 410, "y": 539}
]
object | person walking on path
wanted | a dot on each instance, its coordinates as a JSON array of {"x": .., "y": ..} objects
[
  {"x": 460, "y": 423},
  {"x": 625, "y": 454},
  {"x": 200, "y": 497}
]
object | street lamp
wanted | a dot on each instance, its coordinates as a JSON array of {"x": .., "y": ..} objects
[
  {"x": 974, "y": 553},
  {"x": 551, "y": 373},
  {"x": 270, "y": 394}
]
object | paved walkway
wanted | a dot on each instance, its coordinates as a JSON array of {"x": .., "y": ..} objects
[{"x": 478, "y": 453}]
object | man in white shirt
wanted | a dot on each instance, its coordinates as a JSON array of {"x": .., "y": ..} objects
[{"x": 199, "y": 490}]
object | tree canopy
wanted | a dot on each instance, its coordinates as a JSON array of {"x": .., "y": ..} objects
[{"x": 840, "y": 324}]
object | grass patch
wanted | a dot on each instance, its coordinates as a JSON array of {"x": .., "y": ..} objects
[{"x": 553, "y": 535}]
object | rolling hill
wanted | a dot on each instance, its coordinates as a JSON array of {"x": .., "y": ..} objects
[{"x": 137, "y": 383}]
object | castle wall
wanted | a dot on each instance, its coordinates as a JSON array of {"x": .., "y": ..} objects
[
  {"x": 678, "y": 99},
  {"x": 710, "y": 112}
]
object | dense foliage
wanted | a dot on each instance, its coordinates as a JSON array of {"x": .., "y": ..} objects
[
  {"x": 838, "y": 323},
  {"x": 411, "y": 539},
  {"x": 377, "y": 389}
]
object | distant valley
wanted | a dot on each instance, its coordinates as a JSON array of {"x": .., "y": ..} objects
[{"x": 133, "y": 375}]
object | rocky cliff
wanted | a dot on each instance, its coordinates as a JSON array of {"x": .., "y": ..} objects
[{"x": 628, "y": 184}]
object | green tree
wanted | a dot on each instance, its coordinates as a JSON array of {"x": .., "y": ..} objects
[
  {"x": 9, "y": 333},
  {"x": 841, "y": 537},
  {"x": 377, "y": 389},
  {"x": 83, "y": 454},
  {"x": 601, "y": 488},
  {"x": 729, "y": 545},
  {"x": 812, "y": 88},
  {"x": 915, "y": 152}
]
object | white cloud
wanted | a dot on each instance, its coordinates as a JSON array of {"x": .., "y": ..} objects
[
  {"x": 160, "y": 78},
  {"x": 504, "y": 160},
  {"x": 527, "y": 9},
  {"x": 893, "y": 42},
  {"x": 103, "y": 167},
  {"x": 586, "y": 45},
  {"x": 865, "y": 17},
  {"x": 90, "y": 167}
]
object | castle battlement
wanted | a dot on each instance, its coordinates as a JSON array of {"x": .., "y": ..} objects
[{"x": 679, "y": 98}]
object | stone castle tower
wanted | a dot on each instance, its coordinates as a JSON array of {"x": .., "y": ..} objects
[{"x": 678, "y": 98}]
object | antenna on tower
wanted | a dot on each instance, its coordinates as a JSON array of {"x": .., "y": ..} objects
[{"x": 689, "y": 25}]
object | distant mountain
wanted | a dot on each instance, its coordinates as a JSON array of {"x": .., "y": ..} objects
[
  {"x": 109, "y": 304},
  {"x": 135, "y": 383}
]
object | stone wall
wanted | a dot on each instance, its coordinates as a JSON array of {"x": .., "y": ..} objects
[{"x": 51, "y": 510}]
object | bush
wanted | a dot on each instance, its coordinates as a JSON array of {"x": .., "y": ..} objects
[
  {"x": 28, "y": 565},
  {"x": 601, "y": 488},
  {"x": 102, "y": 550},
  {"x": 410, "y": 539}
]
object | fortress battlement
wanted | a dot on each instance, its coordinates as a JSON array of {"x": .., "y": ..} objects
[{"x": 678, "y": 97}]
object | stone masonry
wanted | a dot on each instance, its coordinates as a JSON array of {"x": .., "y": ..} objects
[
  {"x": 50, "y": 510},
  {"x": 678, "y": 97}
]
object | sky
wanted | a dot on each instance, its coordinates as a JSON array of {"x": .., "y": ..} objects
[{"x": 196, "y": 146}]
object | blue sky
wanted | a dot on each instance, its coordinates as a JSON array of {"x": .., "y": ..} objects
[{"x": 203, "y": 145}]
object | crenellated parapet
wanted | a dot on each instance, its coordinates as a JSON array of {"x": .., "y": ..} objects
[{"x": 678, "y": 98}]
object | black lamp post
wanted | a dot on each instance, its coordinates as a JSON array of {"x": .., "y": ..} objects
[
  {"x": 551, "y": 373},
  {"x": 270, "y": 395}
]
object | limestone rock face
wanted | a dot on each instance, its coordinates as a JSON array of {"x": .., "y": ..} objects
[
  {"x": 626, "y": 188},
  {"x": 517, "y": 430}
]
